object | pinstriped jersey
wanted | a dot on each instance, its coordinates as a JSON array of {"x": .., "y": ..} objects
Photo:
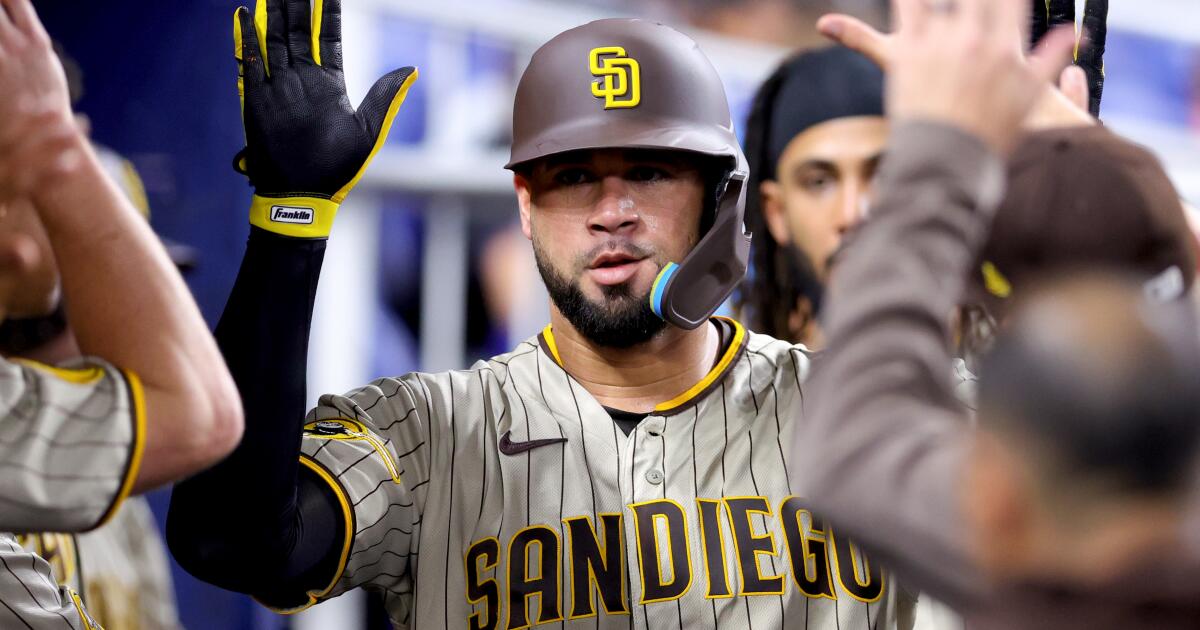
[
  {"x": 30, "y": 597},
  {"x": 505, "y": 496},
  {"x": 70, "y": 444},
  {"x": 119, "y": 570},
  {"x": 126, "y": 577}
]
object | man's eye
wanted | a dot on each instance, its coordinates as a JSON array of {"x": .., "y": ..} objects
[
  {"x": 572, "y": 177},
  {"x": 817, "y": 181},
  {"x": 648, "y": 174}
]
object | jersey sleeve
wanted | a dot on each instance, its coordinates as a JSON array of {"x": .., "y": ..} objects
[
  {"x": 371, "y": 447},
  {"x": 29, "y": 596},
  {"x": 71, "y": 441},
  {"x": 886, "y": 438}
]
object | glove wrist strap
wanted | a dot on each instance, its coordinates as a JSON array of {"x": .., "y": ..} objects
[{"x": 298, "y": 217}]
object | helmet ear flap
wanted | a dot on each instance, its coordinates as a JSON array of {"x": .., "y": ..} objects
[
  {"x": 687, "y": 294},
  {"x": 717, "y": 175}
]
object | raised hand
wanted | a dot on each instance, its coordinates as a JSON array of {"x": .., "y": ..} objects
[
  {"x": 39, "y": 139},
  {"x": 956, "y": 62},
  {"x": 987, "y": 46},
  {"x": 306, "y": 145}
]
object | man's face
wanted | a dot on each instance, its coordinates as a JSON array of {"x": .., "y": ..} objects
[
  {"x": 29, "y": 282},
  {"x": 603, "y": 223},
  {"x": 823, "y": 185}
]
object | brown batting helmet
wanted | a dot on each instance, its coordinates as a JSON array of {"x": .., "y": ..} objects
[{"x": 630, "y": 84}]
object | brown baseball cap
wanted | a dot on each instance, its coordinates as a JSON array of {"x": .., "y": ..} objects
[{"x": 1084, "y": 199}]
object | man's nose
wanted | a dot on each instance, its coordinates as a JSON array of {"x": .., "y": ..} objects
[
  {"x": 852, "y": 209},
  {"x": 615, "y": 212}
]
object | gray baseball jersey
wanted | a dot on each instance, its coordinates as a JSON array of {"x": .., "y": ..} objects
[
  {"x": 505, "y": 496},
  {"x": 126, "y": 578},
  {"x": 70, "y": 444},
  {"x": 119, "y": 570},
  {"x": 30, "y": 596}
]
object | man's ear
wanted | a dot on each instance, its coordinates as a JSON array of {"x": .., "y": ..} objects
[
  {"x": 524, "y": 202},
  {"x": 771, "y": 195},
  {"x": 998, "y": 505}
]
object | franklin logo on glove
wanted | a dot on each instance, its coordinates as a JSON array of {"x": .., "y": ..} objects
[{"x": 291, "y": 214}]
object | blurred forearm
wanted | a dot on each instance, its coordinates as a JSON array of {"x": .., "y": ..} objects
[{"x": 126, "y": 303}]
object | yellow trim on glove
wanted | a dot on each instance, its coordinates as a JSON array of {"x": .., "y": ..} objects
[
  {"x": 393, "y": 109},
  {"x": 260, "y": 28},
  {"x": 298, "y": 217},
  {"x": 237, "y": 54},
  {"x": 318, "y": 9}
]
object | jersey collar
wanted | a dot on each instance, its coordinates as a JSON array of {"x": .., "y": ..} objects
[{"x": 693, "y": 393}]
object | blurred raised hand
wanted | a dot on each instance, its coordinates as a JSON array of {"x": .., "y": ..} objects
[
  {"x": 1061, "y": 107},
  {"x": 39, "y": 139},
  {"x": 960, "y": 62}
]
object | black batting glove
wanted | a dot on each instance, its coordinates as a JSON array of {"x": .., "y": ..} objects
[{"x": 306, "y": 145}]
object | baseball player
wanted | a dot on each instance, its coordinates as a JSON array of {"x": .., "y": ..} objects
[
  {"x": 627, "y": 467},
  {"x": 119, "y": 569},
  {"x": 814, "y": 139},
  {"x": 77, "y": 439}
]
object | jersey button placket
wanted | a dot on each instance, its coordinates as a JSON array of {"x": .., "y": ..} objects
[{"x": 652, "y": 454}]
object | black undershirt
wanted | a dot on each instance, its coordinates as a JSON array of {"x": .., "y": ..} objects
[{"x": 627, "y": 421}]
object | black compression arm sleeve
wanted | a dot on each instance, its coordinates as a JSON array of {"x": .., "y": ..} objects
[{"x": 256, "y": 523}]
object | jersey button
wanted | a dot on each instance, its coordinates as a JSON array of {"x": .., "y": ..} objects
[{"x": 654, "y": 476}]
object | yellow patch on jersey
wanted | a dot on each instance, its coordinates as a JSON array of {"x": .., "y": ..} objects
[{"x": 346, "y": 429}]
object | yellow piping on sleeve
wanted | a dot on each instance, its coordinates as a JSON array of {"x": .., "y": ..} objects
[
  {"x": 83, "y": 616},
  {"x": 82, "y": 376},
  {"x": 315, "y": 596},
  {"x": 138, "y": 403}
]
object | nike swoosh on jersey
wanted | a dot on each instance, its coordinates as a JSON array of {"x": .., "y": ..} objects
[{"x": 509, "y": 447}]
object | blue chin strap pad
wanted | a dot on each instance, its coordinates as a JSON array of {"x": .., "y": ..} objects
[{"x": 660, "y": 288}]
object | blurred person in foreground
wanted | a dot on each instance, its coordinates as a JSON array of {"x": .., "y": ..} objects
[
  {"x": 120, "y": 568},
  {"x": 786, "y": 23},
  {"x": 149, "y": 400},
  {"x": 1065, "y": 509}
]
